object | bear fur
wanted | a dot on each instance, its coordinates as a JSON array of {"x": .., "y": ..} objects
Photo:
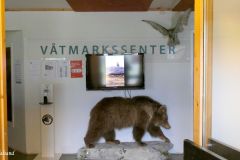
[{"x": 140, "y": 112}]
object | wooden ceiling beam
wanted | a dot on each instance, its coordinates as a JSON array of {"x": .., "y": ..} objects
[
  {"x": 109, "y": 5},
  {"x": 184, "y": 5}
]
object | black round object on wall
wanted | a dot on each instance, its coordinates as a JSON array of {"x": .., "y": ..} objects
[{"x": 47, "y": 119}]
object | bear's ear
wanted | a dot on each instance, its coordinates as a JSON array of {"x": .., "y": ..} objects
[{"x": 162, "y": 109}]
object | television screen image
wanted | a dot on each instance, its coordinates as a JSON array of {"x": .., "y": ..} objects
[
  {"x": 114, "y": 71},
  {"x": 109, "y": 72}
]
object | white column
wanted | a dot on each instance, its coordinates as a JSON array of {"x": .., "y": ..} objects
[
  {"x": 47, "y": 120},
  {"x": 47, "y": 131}
]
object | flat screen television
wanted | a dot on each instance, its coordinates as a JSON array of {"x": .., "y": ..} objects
[{"x": 114, "y": 72}]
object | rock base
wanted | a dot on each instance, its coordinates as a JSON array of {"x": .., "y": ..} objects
[{"x": 154, "y": 150}]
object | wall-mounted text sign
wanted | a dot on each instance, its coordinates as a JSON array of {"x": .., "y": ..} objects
[
  {"x": 155, "y": 50},
  {"x": 63, "y": 49}
]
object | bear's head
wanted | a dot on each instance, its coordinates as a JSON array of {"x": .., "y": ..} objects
[{"x": 160, "y": 117}]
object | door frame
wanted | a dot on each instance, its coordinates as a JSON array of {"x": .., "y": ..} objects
[
  {"x": 198, "y": 72},
  {"x": 207, "y": 71},
  {"x": 203, "y": 29},
  {"x": 3, "y": 95}
]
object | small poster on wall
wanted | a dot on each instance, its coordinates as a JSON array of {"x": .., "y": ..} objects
[
  {"x": 63, "y": 70},
  {"x": 34, "y": 67},
  {"x": 49, "y": 69},
  {"x": 76, "y": 68}
]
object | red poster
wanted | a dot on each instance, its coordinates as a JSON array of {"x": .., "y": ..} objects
[{"x": 76, "y": 68}]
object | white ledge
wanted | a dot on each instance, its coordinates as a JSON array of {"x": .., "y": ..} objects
[{"x": 154, "y": 150}]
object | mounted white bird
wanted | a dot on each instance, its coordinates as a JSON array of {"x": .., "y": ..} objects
[{"x": 172, "y": 33}]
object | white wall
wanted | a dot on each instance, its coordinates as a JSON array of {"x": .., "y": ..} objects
[
  {"x": 226, "y": 73},
  {"x": 169, "y": 82},
  {"x": 16, "y": 130}
]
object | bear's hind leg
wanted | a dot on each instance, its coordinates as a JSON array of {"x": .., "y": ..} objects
[
  {"x": 91, "y": 137},
  {"x": 138, "y": 134},
  {"x": 110, "y": 137}
]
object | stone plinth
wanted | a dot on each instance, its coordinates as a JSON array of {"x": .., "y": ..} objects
[{"x": 154, "y": 150}]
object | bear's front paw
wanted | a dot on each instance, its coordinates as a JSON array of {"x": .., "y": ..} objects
[
  {"x": 142, "y": 143},
  {"x": 166, "y": 140}
]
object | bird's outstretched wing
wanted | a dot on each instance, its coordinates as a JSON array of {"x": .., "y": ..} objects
[
  {"x": 182, "y": 20},
  {"x": 158, "y": 27}
]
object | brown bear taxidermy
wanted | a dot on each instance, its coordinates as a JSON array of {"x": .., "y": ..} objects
[{"x": 141, "y": 112}]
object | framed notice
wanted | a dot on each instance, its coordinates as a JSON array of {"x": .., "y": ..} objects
[
  {"x": 49, "y": 69},
  {"x": 63, "y": 69},
  {"x": 76, "y": 68}
]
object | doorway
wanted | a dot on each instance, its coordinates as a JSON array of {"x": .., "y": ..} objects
[{"x": 199, "y": 112}]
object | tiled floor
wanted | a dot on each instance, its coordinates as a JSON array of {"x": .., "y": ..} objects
[
  {"x": 176, "y": 157},
  {"x": 20, "y": 156}
]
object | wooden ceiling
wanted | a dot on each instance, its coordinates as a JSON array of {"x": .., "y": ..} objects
[
  {"x": 183, "y": 5},
  {"x": 98, "y": 5},
  {"x": 109, "y": 5},
  {"x": 122, "y": 5}
]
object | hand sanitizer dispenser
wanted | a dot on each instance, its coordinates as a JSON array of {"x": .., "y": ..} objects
[{"x": 46, "y": 94}]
